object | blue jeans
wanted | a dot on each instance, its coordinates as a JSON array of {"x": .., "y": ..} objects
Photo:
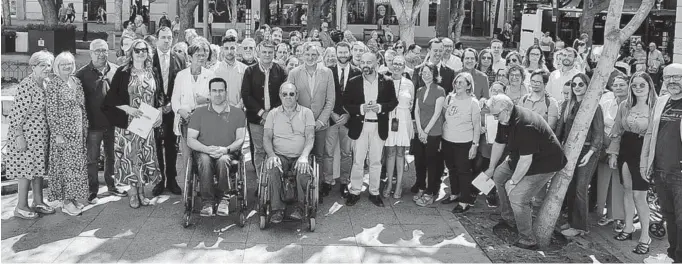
[
  {"x": 95, "y": 140},
  {"x": 669, "y": 190},
  {"x": 577, "y": 194},
  {"x": 213, "y": 174}
]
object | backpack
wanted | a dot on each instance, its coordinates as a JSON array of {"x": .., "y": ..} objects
[{"x": 547, "y": 96}]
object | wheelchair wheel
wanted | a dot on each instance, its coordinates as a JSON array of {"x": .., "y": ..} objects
[
  {"x": 187, "y": 219},
  {"x": 242, "y": 169},
  {"x": 188, "y": 195},
  {"x": 263, "y": 201},
  {"x": 264, "y": 217},
  {"x": 311, "y": 224},
  {"x": 242, "y": 218}
]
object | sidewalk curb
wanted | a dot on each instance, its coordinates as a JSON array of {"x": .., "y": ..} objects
[{"x": 9, "y": 187}]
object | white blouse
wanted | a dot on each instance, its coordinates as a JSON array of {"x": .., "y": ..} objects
[{"x": 185, "y": 91}]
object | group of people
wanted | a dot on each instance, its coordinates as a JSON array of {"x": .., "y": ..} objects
[{"x": 303, "y": 98}]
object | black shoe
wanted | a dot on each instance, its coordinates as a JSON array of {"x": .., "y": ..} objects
[
  {"x": 116, "y": 192},
  {"x": 492, "y": 200},
  {"x": 449, "y": 200},
  {"x": 344, "y": 190},
  {"x": 158, "y": 189},
  {"x": 352, "y": 199},
  {"x": 414, "y": 189},
  {"x": 461, "y": 209},
  {"x": 173, "y": 187},
  {"x": 324, "y": 191},
  {"x": 526, "y": 244},
  {"x": 376, "y": 200}
]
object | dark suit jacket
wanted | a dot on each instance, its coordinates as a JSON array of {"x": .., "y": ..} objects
[
  {"x": 338, "y": 104},
  {"x": 354, "y": 98},
  {"x": 118, "y": 95},
  {"x": 176, "y": 65},
  {"x": 447, "y": 75},
  {"x": 252, "y": 90}
]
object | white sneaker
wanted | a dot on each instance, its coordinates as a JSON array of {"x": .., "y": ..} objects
[
  {"x": 71, "y": 209},
  {"x": 660, "y": 258},
  {"x": 223, "y": 207}
]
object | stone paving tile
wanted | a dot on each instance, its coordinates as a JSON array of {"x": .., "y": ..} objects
[
  {"x": 366, "y": 214},
  {"x": 411, "y": 214},
  {"x": 93, "y": 249},
  {"x": 422, "y": 255},
  {"x": 268, "y": 253},
  {"x": 379, "y": 235},
  {"x": 168, "y": 206},
  {"x": 122, "y": 209},
  {"x": 221, "y": 252},
  {"x": 440, "y": 235},
  {"x": 107, "y": 226},
  {"x": 15, "y": 226},
  {"x": 211, "y": 229},
  {"x": 33, "y": 248},
  {"x": 143, "y": 249},
  {"x": 333, "y": 254},
  {"x": 165, "y": 228},
  {"x": 326, "y": 233}
]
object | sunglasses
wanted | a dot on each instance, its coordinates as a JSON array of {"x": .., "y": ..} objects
[
  {"x": 290, "y": 94},
  {"x": 581, "y": 85},
  {"x": 514, "y": 60},
  {"x": 140, "y": 51}
]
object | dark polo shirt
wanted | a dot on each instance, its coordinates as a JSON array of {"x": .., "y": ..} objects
[
  {"x": 217, "y": 129},
  {"x": 529, "y": 134}
]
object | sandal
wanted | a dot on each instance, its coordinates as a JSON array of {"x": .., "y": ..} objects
[
  {"x": 398, "y": 193},
  {"x": 23, "y": 214},
  {"x": 43, "y": 209},
  {"x": 134, "y": 201},
  {"x": 657, "y": 230},
  {"x": 622, "y": 236},
  {"x": 387, "y": 192},
  {"x": 143, "y": 200},
  {"x": 642, "y": 248}
]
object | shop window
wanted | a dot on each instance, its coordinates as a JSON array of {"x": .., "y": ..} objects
[
  {"x": 433, "y": 14},
  {"x": 371, "y": 12},
  {"x": 222, "y": 11}
]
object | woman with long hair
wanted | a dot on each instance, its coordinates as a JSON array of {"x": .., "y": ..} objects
[
  {"x": 348, "y": 37},
  {"x": 627, "y": 136},
  {"x": 28, "y": 137},
  {"x": 516, "y": 88},
  {"x": 501, "y": 76},
  {"x": 587, "y": 161},
  {"x": 485, "y": 65},
  {"x": 461, "y": 134},
  {"x": 400, "y": 47},
  {"x": 427, "y": 156},
  {"x": 68, "y": 125},
  {"x": 135, "y": 83},
  {"x": 329, "y": 57},
  {"x": 513, "y": 58},
  {"x": 534, "y": 60},
  {"x": 373, "y": 42},
  {"x": 291, "y": 63}
]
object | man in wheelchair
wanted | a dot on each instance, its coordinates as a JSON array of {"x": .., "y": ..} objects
[
  {"x": 216, "y": 134},
  {"x": 289, "y": 134}
]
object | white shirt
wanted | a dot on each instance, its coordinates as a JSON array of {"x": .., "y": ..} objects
[
  {"x": 500, "y": 64},
  {"x": 454, "y": 63},
  {"x": 609, "y": 105},
  {"x": 555, "y": 85},
  {"x": 310, "y": 77},
  {"x": 234, "y": 76},
  {"x": 186, "y": 90},
  {"x": 371, "y": 91},
  {"x": 164, "y": 61}
]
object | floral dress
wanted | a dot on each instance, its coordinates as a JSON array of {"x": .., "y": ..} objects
[
  {"x": 66, "y": 117},
  {"x": 27, "y": 115},
  {"x": 136, "y": 162}
]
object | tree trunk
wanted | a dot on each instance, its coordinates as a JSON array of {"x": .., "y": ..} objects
[
  {"x": 443, "y": 28},
  {"x": 407, "y": 12},
  {"x": 49, "y": 10},
  {"x": 594, "y": 7},
  {"x": 6, "y": 13},
  {"x": 497, "y": 14},
  {"x": 233, "y": 13},
  {"x": 118, "y": 15},
  {"x": 458, "y": 21},
  {"x": 614, "y": 37},
  {"x": 186, "y": 14},
  {"x": 343, "y": 24},
  {"x": 313, "y": 14}
]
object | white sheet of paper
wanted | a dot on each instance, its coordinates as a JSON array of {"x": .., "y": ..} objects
[
  {"x": 490, "y": 128},
  {"x": 143, "y": 125},
  {"x": 483, "y": 183}
]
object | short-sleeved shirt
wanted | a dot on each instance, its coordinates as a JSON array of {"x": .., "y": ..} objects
[
  {"x": 217, "y": 129},
  {"x": 459, "y": 119},
  {"x": 427, "y": 107},
  {"x": 541, "y": 106},
  {"x": 528, "y": 134},
  {"x": 289, "y": 132},
  {"x": 669, "y": 146}
]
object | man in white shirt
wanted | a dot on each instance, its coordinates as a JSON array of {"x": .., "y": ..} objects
[
  {"x": 449, "y": 59},
  {"x": 564, "y": 73},
  {"x": 498, "y": 61},
  {"x": 231, "y": 70}
]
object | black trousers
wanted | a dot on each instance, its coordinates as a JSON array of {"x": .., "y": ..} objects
[
  {"x": 428, "y": 161},
  {"x": 166, "y": 150},
  {"x": 460, "y": 170}
]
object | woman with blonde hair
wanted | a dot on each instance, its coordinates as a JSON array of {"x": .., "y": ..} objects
[
  {"x": 329, "y": 57},
  {"x": 68, "y": 125},
  {"x": 28, "y": 139},
  {"x": 135, "y": 83}
]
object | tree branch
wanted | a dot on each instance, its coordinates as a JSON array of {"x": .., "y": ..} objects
[
  {"x": 636, "y": 21},
  {"x": 417, "y": 6}
]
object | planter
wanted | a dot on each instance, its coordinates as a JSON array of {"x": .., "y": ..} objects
[
  {"x": 21, "y": 42},
  {"x": 9, "y": 44},
  {"x": 55, "y": 41}
]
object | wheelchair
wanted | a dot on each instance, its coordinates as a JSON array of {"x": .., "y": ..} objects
[{"x": 310, "y": 201}]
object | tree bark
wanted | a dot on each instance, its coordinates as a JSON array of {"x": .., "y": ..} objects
[
  {"x": 233, "y": 13},
  {"x": 458, "y": 20},
  {"x": 407, "y": 12},
  {"x": 187, "y": 8},
  {"x": 6, "y": 13},
  {"x": 343, "y": 24},
  {"x": 443, "y": 27},
  {"x": 118, "y": 15},
  {"x": 313, "y": 14},
  {"x": 592, "y": 8},
  {"x": 49, "y": 10},
  {"x": 613, "y": 39}
]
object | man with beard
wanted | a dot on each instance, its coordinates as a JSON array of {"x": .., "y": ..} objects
[
  {"x": 454, "y": 62},
  {"x": 661, "y": 156},
  {"x": 277, "y": 35},
  {"x": 294, "y": 38},
  {"x": 563, "y": 74},
  {"x": 231, "y": 70},
  {"x": 260, "y": 88},
  {"x": 337, "y": 133},
  {"x": 446, "y": 75},
  {"x": 368, "y": 99},
  {"x": 498, "y": 61},
  {"x": 248, "y": 47},
  {"x": 359, "y": 48},
  {"x": 167, "y": 64},
  {"x": 315, "y": 88},
  {"x": 480, "y": 78}
]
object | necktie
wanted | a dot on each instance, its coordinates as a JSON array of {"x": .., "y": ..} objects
[
  {"x": 343, "y": 79},
  {"x": 165, "y": 68},
  {"x": 266, "y": 91}
]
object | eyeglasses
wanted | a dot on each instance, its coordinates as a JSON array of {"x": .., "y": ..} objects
[
  {"x": 537, "y": 82},
  {"x": 676, "y": 78},
  {"x": 247, "y": 48},
  {"x": 514, "y": 75},
  {"x": 641, "y": 85},
  {"x": 140, "y": 51},
  {"x": 581, "y": 85},
  {"x": 534, "y": 54},
  {"x": 290, "y": 94},
  {"x": 514, "y": 60},
  {"x": 99, "y": 51},
  {"x": 399, "y": 64}
]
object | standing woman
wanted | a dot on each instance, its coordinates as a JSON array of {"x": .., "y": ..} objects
[
  {"x": 461, "y": 134},
  {"x": 534, "y": 60},
  {"x": 516, "y": 88},
  {"x": 68, "y": 125},
  {"x": 626, "y": 146},
  {"x": 501, "y": 76},
  {"x": 401, "y": 130},
  {"x": 28, "y": 137},
  {"x": 329, "y": 57},
  {"x": 485, "y": 65},
  {"x": 133, "y": 84},
  {"x": 587, "y": 161},
  {"x": 427, "y": 156},
  {"x": 399, "y": 47}
]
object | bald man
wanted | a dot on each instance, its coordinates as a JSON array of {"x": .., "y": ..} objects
[
  {"x": 535, "y": 154},
  {"x": 368, "y": 99},
  {"x": 662, "y": 155}
]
